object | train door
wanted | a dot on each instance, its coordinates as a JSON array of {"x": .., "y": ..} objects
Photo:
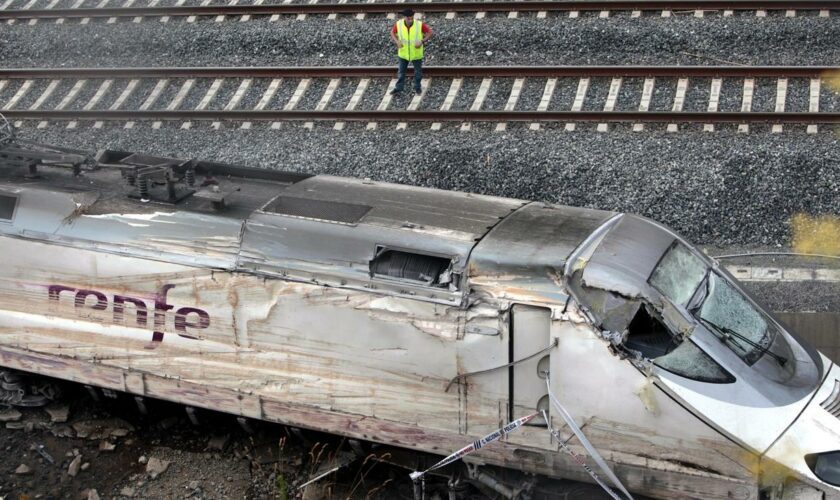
[{"x": 530, "y": 331}]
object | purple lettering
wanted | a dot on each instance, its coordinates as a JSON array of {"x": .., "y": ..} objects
[
  {"x": 141, "y": 316},
  {"x": 185, "y": 317},
  {"x": 160, "y": 312},
  {"x": 55, "y": 291},
  {"x": 101, "y": 300},
  {"x": 182, "y": 321}
]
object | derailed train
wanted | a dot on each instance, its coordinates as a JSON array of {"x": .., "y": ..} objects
[{"x": 411, "y": 317}]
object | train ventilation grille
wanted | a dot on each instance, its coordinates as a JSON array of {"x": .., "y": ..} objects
[{"x": 832, "y": 402}]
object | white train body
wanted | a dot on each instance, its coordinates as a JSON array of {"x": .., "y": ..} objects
[{"x": 349, "y": 306}]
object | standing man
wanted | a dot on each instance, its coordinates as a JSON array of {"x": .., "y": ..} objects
[{"x": 409, "y": 37}]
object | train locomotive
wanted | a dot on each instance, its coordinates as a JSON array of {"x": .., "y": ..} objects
[{"x": 413, "y": 317}]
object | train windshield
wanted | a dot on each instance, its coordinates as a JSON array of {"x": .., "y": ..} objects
[
  {"x": 729, "y": 315},
  {"x": 718, "y": 305},
  {"x": 678, "y": 274}
]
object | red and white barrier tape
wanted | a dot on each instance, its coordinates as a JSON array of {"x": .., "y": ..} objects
[
  {"x": 476, "y": 445},
  {"x": 498, "y": 433}
]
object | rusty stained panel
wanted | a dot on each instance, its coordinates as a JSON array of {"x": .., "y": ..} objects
[
  {"x": 273, "y": 337},
  {"x": 636, "y": 476}
]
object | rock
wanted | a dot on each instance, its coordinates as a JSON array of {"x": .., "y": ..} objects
[
  {"x": 58, "y": 413},
  {"x": 193, "y": 485},
  {"x": 23, "y": 469},
  {"x": 75, "y": 465},
  {"x": 10, "y": 415},
  {"x": 16, "y": 425},
  {"x": 106, "y": 446},
  {"x": 168, "y": 423},
  {"x": 92, "y": 494},
  {"x": 143, "y": 459},
  {"x": 63, "y": 431},
  {"x": 127, "y": 492},
  {"x": 315, "y": 491},
  {"x": 86, "y": 466},
  {"x": 218, "y": 443},
  {"x": 156, "y": 467},
  {"x": 102, "y": 428}
]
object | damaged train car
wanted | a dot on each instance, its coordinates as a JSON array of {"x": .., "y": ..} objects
[{"x": 411, "y": 317}]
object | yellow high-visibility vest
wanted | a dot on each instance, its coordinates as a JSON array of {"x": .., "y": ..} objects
[{"x": 409, "y": 36}]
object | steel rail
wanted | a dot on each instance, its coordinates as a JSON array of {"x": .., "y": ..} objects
[
  {"x": 432, "y": 7},
  {"x": 430, "y": 71},
  {"x": 433, "y": 116}
]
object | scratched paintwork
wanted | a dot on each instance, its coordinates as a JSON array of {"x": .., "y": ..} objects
[
  {"x": 298, "y": 331},
  {"x": 265, "y": 341}
]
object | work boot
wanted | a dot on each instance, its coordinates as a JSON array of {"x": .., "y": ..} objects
[
  {"x": 395, "y": 91},
  {"x": 418, "y": 90}
]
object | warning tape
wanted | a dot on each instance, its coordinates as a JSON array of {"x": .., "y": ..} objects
[
  {"x": 578, "y": 459},
  {"x": 476, "y": 445},
  {"x": 586, "y": 444},
  {"x": 499, "y": 433}
]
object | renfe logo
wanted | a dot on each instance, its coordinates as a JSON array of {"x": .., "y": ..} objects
[{"x": 185, "y": 317}]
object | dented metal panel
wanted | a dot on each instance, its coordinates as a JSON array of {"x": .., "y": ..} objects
[
  {"x": 437, "y": 214},
  {"x": 44, "y": 211},
  {"x": 340, "y": 254},
  {"x": 183, "y": 237},
  {"x": 522, "y": 258},
  {"x": 626, "y": 256}
]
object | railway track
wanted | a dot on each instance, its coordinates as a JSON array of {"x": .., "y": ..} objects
[
  {"x": 14, "y": 10},
  {"x": 535, "y": 95}
]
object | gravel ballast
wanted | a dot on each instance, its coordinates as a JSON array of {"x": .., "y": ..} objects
[
  {"x": 460, "y": 41},
  {"x": 709, "y": 187}
]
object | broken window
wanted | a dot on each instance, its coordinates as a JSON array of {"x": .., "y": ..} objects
[
  {"x": 7, "y": 207},
  {"x": 728, "y": 314},
  {"x": 678, "y": 274},
  {"x": 689, "y": 361},
  {"x": 428, "y": 270},
  {"x": 649, "y": 336}
]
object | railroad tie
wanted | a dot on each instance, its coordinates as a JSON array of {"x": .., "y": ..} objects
[
  {"x": 384, "y": 103},
  {"x": 515, "y": 91},
  {"x": 577, "y": 105},
  {"x": 746, "y": 102}
]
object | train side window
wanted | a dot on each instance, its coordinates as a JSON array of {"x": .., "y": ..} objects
[
  {"x": 420, "y": 269},
  {"x": 649, "y": 336},
  {"x": 7, "y": 207}
]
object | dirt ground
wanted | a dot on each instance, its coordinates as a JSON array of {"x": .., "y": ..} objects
[
  {"x": 79, "y": 447},
  {"x": 109, "y": 449}
]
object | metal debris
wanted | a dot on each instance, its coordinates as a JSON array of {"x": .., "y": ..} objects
[{"x": 43, "y": 452}]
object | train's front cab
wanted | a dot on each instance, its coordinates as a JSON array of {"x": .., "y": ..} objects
[{"x": 687, "y": 325}]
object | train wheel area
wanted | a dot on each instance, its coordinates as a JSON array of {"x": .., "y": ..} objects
[{"x": 84, "y": 442}]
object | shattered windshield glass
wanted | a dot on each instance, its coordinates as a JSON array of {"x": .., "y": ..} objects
[
  {"x": 691, "y": 362},
  {"x": 678, "y": 274},
  {"x": 730, "y": 315}
]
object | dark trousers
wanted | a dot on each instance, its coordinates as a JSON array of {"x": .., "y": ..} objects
[{"x": 418, "y": 73}]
